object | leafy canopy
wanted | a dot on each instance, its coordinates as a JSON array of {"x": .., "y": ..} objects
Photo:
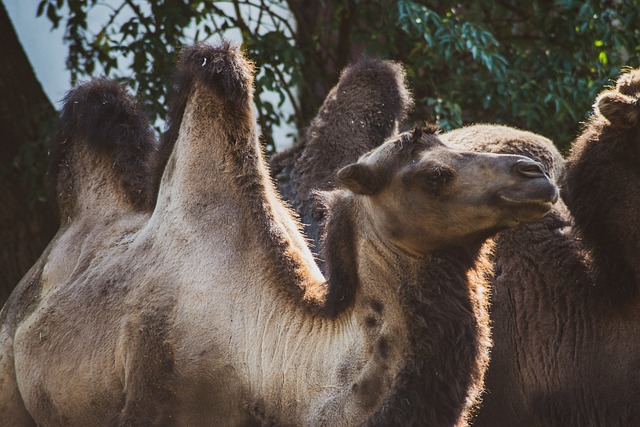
[{"x": 537, "y": 65}]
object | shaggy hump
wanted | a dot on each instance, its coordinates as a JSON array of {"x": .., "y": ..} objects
[
  {"x": 102, "y": 115},
  {"x": 222, "y": 69},
  {"x": 359, "y": 114}
]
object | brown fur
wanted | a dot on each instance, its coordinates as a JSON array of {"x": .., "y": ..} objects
[
  {"x": 356, "y": 117},
  {"x": 565, "y": 302},
  {"x": 602, "y": 187},
  {"x": 211, "y": 311}
]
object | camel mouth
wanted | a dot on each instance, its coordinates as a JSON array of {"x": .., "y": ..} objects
[
  {"x": 528, "y": 201},
  {"x": 528, "y": 210},
  {"x": 531, "y": 204},
  {"x": 536, "y": 192}
]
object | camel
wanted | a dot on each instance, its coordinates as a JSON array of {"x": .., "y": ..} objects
[
  {"x": 356, "y": 117},
  {"x": 208, "y": 308},
  {"x": 565, "y": 292},
  {"x": 565, "y": 308}
]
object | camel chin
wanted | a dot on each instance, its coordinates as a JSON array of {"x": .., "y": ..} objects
[{"x": 531, "y": 204}]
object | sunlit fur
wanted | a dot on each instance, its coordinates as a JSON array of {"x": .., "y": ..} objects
[
  {"x": 101, "y": 116},
  {"x": 209, "y": 309}
]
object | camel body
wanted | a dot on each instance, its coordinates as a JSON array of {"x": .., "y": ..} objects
[
  {"x": 208, "y": 309},
  {"x": 565, "y": 293},
  {"x": 565, "y": 306}
]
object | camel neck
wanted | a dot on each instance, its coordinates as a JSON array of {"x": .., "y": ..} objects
[
  {"x": 438, "y": 298},
  {"x": 441, "y": 299},
  {"x": 350, "y": 242}
]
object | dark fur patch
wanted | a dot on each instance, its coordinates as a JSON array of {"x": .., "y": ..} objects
[
  {"x": 150, "y": 385},
  {"x": 445, "y": 331},
  {"x": 376, "y": 306},
  {"x": 601, "y": 190},
  {"x": 103, "y": 116},
  {"x": 222, "y": 68},
  {"x": 45, "y": 405},
  {"x": 383, "y": 347},
  {"x": 340, "y": 253},
  {"x": 368, "y": 391}
]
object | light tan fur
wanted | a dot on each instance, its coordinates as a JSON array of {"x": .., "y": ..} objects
[{"x": 209, "y": 310}]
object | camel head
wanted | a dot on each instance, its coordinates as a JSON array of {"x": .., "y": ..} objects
[{"x": 422, "y": 195}]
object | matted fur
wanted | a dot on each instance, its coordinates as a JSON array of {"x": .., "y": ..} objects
[{"x": 602, "y": 187}]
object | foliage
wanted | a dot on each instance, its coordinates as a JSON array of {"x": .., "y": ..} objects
[{"x": 536, "y": 65}]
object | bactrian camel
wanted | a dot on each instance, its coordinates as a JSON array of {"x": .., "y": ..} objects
[
  {"x": 209, "y": 309},
  {"x": 566, "y": 303}
]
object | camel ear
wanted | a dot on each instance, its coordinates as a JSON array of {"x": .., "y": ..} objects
[
  {"x": 359, "y": 178},
  {"x": 620, "y": 110}
]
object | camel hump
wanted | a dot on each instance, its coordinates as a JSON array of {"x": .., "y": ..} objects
[
  {"x": 223, "y": 69},
  {"x": 360, "y": 112},
  {"x": 377, "y": 90},
  {"x": 621, "y": 106},
  {"x": 102, "y": 133}
]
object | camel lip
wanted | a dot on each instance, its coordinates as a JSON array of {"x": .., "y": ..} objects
[
  {"x": 530, "y": 202},
  {"x": 545, "y": 196},
  {"x": 527, "y": 208}
]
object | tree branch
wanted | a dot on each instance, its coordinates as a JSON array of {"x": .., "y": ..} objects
[{"x": 139, "y": 15}]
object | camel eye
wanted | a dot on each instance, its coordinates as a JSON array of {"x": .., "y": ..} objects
[
  {"x": 435, "y": 175},
  {"x": 438, "y": 174},
  {"x": 434, "y": 180}
]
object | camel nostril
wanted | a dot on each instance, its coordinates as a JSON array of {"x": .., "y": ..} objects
[{"x": 530, "y": 168}]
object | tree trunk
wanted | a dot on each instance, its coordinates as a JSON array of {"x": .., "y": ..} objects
[
  {"x": 27, "y": 219},
  {"x": 323, "y": 37}
]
